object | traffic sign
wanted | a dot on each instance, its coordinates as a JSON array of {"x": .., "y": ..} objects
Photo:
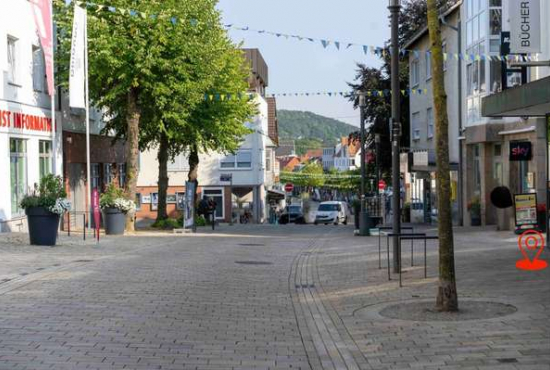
[
  {"x": 381, "y": 185},
  {"x": 289, "y": 187}
]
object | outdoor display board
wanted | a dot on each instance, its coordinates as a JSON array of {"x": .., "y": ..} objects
[
  {"x": 525, "y": 209},
  {"x": 189, "y": 205}
]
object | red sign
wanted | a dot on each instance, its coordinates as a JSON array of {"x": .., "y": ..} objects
[
  {"x": 289, "y": 187},
  {"x": 95, "y": 208},
  {"x": 381, "y": 185},
  {"x": 42, "y": 11},
  {"x": 24, "y": 121}
]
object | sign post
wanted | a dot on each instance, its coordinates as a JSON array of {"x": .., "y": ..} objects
[
  {"x": 228, "y": 177},
  {"x": 95, "y": 208}
]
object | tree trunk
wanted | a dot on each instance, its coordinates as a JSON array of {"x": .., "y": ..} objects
[
  {"x": 447, "y": 298},
  {"x": 162, "y": 157},
  {"x": 194, "y": 175},
  {"x": 132, "y": 153}
]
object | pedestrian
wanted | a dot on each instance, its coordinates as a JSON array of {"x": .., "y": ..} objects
[{"x": 212, "y": 211}]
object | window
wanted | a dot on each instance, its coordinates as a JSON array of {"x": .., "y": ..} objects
[
  {"x": 268, "y": 160},
  {"x": 94, "y": 172},
  {"x": 179, "y": 164},
  {"x": 38, "y": 69},
  {"x": 498, "y": 150},
  {"x": 477, "y": 169},
  {"x": 217, "y": 196},
  {"x": 416, "y": 126},
  {"x": 495, "y": 22},
  {"x": 228, "y": 162},
  {"x": 12, "y": 60},
  {"x": 430, "y": 115},
  {"x": 45, "y": 157},
  {"x": 244, "y": 159},
  {"x": 428, "y": 65},
  {"x": 122, "y": 175},
  {"x": 107, "y": 173},
  {"x": 180, "y": 201},
  {"x": 138, "y": 201},
  {"x": 445, "y": 56},
  {"x": 154, "y": 201},
  {"x": 414, "y": 72},
  {"x": 18, "y": 173}
]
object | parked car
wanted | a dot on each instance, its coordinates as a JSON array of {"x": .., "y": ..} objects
[
  {"x": 332, "y": 212},
  {"x": 293, "y": 214}
]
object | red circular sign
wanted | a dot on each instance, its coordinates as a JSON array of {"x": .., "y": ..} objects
[
  {"x": 289, "y": 187},
  {"x": 381, "y": 185}
]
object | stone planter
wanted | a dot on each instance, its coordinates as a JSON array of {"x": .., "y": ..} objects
[
  {"x": 43, "y": 226},
  {"x": 114, "y": 221}
]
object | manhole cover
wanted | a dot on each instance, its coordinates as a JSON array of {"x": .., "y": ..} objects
[
  {"x": 254, "y": 263},
  {"x": 468, "y": 310},
  {"x": 82, "y": 261},
  {"x": 251, "y": 245}
]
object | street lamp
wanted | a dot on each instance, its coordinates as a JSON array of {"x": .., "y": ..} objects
[
  {"x": 363, "y": 216},
  {"x": 395, "y": 8}
]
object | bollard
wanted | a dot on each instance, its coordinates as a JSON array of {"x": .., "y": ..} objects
[{"x": 84, "y": 225}]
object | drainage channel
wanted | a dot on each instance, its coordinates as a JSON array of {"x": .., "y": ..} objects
[{"x": 327, "y": 342}]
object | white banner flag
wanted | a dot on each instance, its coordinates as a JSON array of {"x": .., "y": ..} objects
[
  {"x": 525, "y": 30},
  {"x": 78, "y": 49}
]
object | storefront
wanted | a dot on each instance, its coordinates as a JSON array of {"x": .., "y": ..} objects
[
  {"x": 524, "y": 166},
  {"x": 27, "y": 154}
]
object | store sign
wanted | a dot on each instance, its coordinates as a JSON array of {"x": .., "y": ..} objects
[
  {"x": 525, "y": 27},
  {"x": 22, "y": 121},
  {"x": 526, "y": 209},
  {"x": 521, "y": 151}
]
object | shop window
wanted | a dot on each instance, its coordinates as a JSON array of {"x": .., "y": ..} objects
[
  {"x": 18, "y": 173},
  {"x": 138, "y": 201},
  {"x": 45, "y": 157},
  {"x": 13, "y": 59},
  {"x": 107, "y": 174},
  {"x": 122, "y": 175},
  {"x": 217, "y": 196},
  {"x": 94, "y": 173}
]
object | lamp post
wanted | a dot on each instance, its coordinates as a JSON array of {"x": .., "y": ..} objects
[
  {"x": 395, "y": 7},
  {"x": 363, "y": 216}
]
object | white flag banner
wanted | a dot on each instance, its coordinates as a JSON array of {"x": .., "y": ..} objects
[
  {"x": 78, "y": 49},
  {"x": 525, "y": 26}
]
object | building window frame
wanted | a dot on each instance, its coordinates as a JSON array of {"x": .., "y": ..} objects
[
  {"x": 13, "y": 60},
  {"x": 415, "y": 71},
  {"x": 38, "y": 69},
  {"x": 45, "y": 157},
  {"x": 430, "y": 122},
  {"x": 121, "y": 175},
  {"x": 18, "y": 173},
  {"x": 95, "y": 177},
  {"x": 428, "y": 59},
  {"x": 415, "y": 125},
  {"x": 217, "y": 193},
  {"x": 107, "y": 174}
]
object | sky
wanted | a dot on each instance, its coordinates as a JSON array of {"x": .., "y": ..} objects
[{"x": 303, "y": 66}]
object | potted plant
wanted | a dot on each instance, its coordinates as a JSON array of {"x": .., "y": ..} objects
[
  {"x": 43, "y": 208},
  {"x": 114, "y": 205},
  {"x": 474, "y": 207}
]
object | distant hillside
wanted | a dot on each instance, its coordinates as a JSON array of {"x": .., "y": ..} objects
[{"x": 308, "y": 125}]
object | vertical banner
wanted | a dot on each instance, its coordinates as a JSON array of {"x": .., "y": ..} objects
[
  {"x": 189, "y": 209},
  {"x": 95, "y": 208},
  {"x": 77, "y": 74},
  {"x": 43, "y": 19},
  {"x": 525, "y": 26}
]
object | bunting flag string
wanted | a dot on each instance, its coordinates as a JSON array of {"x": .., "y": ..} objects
[
  {"x": 325, "y": 43},
  {"x": 342, "y": 94}
]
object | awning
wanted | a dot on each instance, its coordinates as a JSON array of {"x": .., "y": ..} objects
[
  {"x": 529, "y": 100},
  {"x": 276, "y": 194}
]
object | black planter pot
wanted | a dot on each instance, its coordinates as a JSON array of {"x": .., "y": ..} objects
[
  {"x": 43, "y": 226},
  {"x": 114, "y": 221}
]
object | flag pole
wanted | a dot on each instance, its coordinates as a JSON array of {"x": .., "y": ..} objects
[
  {"x": 52, "y": 97},
  {"x": 88, "y": 172}
]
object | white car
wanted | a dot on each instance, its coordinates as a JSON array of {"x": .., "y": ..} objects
[{"x": 332, "y": 213}]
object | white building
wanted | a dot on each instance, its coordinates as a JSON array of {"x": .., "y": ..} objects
[
  {"x": 253, "y": 167},
  {"x": 328, "y": 158},
  {"x": 347, "y": 155},
  {"x": 26, "y": 130}
]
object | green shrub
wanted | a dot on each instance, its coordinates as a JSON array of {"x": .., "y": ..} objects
[
  {"x": 200, "y": 221},
  {"x": 167, "y": 224}
]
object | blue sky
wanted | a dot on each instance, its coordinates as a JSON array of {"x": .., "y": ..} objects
[{"x": 302, "y": 66}]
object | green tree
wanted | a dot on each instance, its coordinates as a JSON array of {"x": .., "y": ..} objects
[{"x": 447, "y": 297}]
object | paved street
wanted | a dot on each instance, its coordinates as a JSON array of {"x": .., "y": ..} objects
[{"x": 262, "y": 297}]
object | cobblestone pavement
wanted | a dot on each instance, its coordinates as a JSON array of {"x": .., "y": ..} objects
[{"x": 259, "y": 297}]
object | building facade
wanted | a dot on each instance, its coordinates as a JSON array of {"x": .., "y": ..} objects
[
  {"x": 30, "y": 143},
  {"x": 488, "y": 142},
  {"x": 421, "y": 184}
]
